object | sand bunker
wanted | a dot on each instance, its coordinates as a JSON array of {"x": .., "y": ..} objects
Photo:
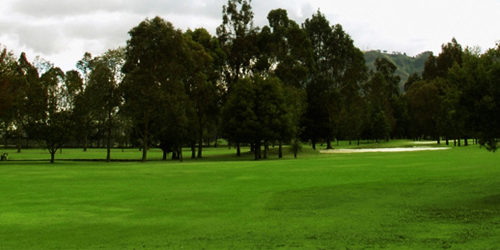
[
  {"x": 425, "y": 142},
  {"x": 371, "y": 150}
]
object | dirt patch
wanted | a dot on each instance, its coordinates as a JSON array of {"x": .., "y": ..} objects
[{"x": 376, "y": 150}]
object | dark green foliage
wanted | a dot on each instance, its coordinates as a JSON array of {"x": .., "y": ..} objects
[
  {"x": 257, "y": 112},
  {"x": 339, "y": 70},
  {"x": 152, "y": 73}
]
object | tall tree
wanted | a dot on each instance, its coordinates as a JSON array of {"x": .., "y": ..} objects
[
  {"x": 338, "y": 65},
  {"x": 55, "y": 127},
  {"x": 83, "y": 101},
  {"x": 103, "y": 90},
  {"x": 489, "y": 107},
  {"x": 152, "y": 67},
  {"x": 237, "y": 36},
  {"x": 203, "y": 65},
  {"x": 257, "y": 112},
  {"x": 382, "y": 92},
  {"x": 286, "y": 53},
  {"x": 8, "y": 67}
]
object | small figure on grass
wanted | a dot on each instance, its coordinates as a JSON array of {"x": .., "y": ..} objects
[{"x": 4, "y": 157}]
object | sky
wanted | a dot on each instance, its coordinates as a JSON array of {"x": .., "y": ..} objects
[{"x": 61, "y": 31}]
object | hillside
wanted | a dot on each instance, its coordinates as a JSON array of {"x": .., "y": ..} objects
[{"x": 407, "y": 65}]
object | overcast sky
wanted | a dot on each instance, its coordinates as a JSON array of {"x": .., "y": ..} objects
[{"x": 61, "y": 31}]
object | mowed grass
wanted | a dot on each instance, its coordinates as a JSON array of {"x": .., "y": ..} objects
[{"x": 413, "y": 200}]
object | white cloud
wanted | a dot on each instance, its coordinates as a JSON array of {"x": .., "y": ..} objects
[{"x": 63, "y": 30}]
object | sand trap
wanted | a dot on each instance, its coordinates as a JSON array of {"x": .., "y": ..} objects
[
  {"x": 425, "y": 142},
  {"x": 371, "y": 150}
]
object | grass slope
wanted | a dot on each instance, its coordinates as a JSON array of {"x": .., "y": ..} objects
[{"x": 412, "y": 200}]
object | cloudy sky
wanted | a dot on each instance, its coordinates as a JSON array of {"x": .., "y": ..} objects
[{"x": 61, "y": 31}]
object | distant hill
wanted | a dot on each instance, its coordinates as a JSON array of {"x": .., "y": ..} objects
[{"x": 407, "y": 65}]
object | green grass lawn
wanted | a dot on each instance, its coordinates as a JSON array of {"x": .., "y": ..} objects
[{"x": 413, "y": 200}]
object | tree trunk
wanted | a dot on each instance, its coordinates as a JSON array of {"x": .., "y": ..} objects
[
  {"x": 280, "y": 149},
  {"x": 266, "y": 148},
  {"x": 466, "y": 141},
  {"x": 238, "y": 149},
  {"x": 328, "y": 144},
  {"x": 313, "y": 144},
  {"x": 165, "y": 154},
  {"x": 200, "y": 145},
  {"x": 108, "y": 146},
  {"x": 108, "y": 138},
  {"x": 193, "y": 150},
  {"x": 18, "y": 140},
  {"x": 85, "y": 141},
  {"x": 180, "y": 153},
  {"x": 257, "y": 150},
  {"x": 52, "y": 155},
  {"x": 145, "y": 137}
]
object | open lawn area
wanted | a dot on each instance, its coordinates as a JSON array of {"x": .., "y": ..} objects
[{"x": 446, "y": 199}]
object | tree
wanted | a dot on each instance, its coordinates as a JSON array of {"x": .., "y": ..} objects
[
  {"x": 412, "y": 79},
  {"x": 286, "y": 53},
  {"x": 31, "y": 97},
  {"x": 425, "y": 108},
  {"x": 489, "y": 107},
  {"x": 237, "y": 37},
  {"x": 475, "y": 87},
  {"x": 55, "y": 128},
  {"x": 338, "y": 65},
  {"x": 152, "y": 67},
  {"x": 9, "y": 90},
  {"x": 382, "y": 93},
  {"x": 102, "y": 89},
  {"x": 203, "y": 64},
  {"x": 8, "y": 69},
  {"x": 256, "y": 112},
  {"x": 285, "y": 50},
  {"x": 83, "y": 101}
]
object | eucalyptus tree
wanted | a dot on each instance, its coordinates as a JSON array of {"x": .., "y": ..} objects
[
  {"x": 257, "y": 112},
  {"x": 153, "y": 72},
  {"x": 382, "y": 93},
  {"x": 9, "y": 90},
  {"x": 55, "y": 127},
  {"x": 487, "y": 107},
  {"x": 103, "y": 92},
  {"x": 238, "y": 38},
  {"x": 30, "y": 99},
  {"x": 338, "y": 65},
  {"x": 286, "y": 53},
  {"x": 8, "y": 67},
  {"x": 83, "y": 101},
  {"x": 447, "y": 79},
  {"x": 203, "y": 64}
]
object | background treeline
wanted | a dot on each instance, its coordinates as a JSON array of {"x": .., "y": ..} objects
[{"x": 280, "y": 84}]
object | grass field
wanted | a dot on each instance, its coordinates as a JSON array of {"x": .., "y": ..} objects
[{"x": 412, "y": 200}]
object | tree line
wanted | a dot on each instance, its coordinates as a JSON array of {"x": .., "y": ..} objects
[{"x": 279, "y": 84}]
